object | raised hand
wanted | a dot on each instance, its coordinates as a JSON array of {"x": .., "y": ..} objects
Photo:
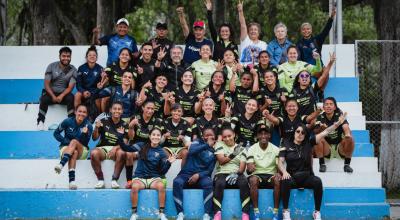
[
  {"x": 98, "y": 124},
  {"x": 154, "y": 44},
  {"x": 180, "y": 10},
  {"x": 333, "y": 13},
  {"x": 342, "y": 118},
  {"x": 85, "y": 129},
  {"x": 96, "y": 30},
  {"x": 332, "y": 57},
  {"x": 316, "y": 55},
  {"x": 121, "y": 130},
  {"x": 219, "y": 66},
  {"x": 240, "y": 6},
  {"x": 208, "y": 5},
  {"x": 147, "y": 85},
  {"x": 133, "y": 122},
  {"x": 161, "y": 54},
  {"x": 228, "y": 111},
  {"x": 171, "y": 159}
]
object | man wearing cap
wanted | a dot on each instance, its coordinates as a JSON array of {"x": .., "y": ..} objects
[
  {"x": 194, "y": 40},
  {"x": 262, "y": 168},
  {"x": 161, "y": 41},
  {"x": 115, "y": 42}
]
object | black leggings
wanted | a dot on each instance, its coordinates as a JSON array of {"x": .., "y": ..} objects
[
  {"x": 46, "y": 100},
  {"x": 302, "y": 180},
  {"x": 219, "y": 186}
]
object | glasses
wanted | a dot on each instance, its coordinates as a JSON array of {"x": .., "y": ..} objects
[
  {"x": 300, "y": 132},
  {"x": 304, "y": 75}
]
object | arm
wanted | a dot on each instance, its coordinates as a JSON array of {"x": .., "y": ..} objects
[
  {"x": 333, "y": 127},
  {"x": 142, "y": 95},
  {"x": 313, "y": 116},
  {"x": 323, "y": 79},
  {"x": 48, "y": 89},
  {"x": 255, "y": 80},
  {"x": 318, "y": 66},
  {"x": 242, "y": 21},
  {"x": 282, "y": 169},
  {"x": 213, "y": 31},
  {"x": 325, "y": 32},
  {"x": 96, "y": 36},
  {"x": 209, "y": 170},
  {"x": 274, "y": 120},
  {"x": 197, "y": 147},
  {"x": 79, "y": 82},
  {"x": 232, "y": 84},
  {"x": 182, "y": 21},
  {"x": 57, "y": 133}
]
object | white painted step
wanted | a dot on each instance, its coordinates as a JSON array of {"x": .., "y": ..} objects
[
  {"x": 352, "y": 108},
  {"x": 341, "y": 179},
  {"x": 359, "y": 165},
  {"x": 356, "y": 122},
  {"x": 345, "y": 59}
]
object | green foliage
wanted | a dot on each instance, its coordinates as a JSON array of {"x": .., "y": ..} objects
[{"x": 358, "y": 23}]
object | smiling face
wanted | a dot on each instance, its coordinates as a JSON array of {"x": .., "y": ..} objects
[
  {"x": 208, "y": 106},
  {"x": 291, "y": 108},
  {"x": 127, "y": 78},
  {"x": 263, "y": 137},
  {"x": 122, "y": 29},
  {"x": 253, "y": 32},
  {"x": 229, "y": 57},
  {"x": 81, "y": 113},
  {"x": 176, "y": 55},
  {"x": 177, "y": 114},
  {"x": 199, "y": 33},
  {"x": 228, "y": 137},
  {"x": 304, "y": 78},
  {"x": 147, "y": 52},
  {"x": 225, "y": 33},
  {"x": 124, "y": 56},
  {"x": 205, "y": 52},
  {"x": 251, "y": 106},
  {"x": 306, "y": 30},
  {"x": 148, "y": 109},
  {"x": 155, "y": 137},
  {"x": 292, "y": 55},
  {"x": 65, "y": 58},
  {"x": 263, "y": 59},
  {"x": 218, "y": 78},
  {"x": 91, "y": 57},
  {"x": 269, "y": 78},
  {"x": 116, "y": 110},
  {"x": 280, "y": 33},
  {"x": 187, "y": 78},
  {"x": 329, "y": 106},
  {"x": 161, "y": 82}
]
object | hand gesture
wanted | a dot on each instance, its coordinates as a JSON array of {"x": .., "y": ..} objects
[
  {"x": 222, "y": 96},
  {"x": 85, "y": 129},
  {"x": 133, "y": 122},
  {"x": 147, "y": 85},
  {"x": 316, "y": 55},
  {"x": 286, "y": 176},
  {"x": 219, "y": 66},
  {"x": 265, "y": 113},
  {"x": 228, "y": 111},
  {"x": 193, "y": 179},
  {"x": 96, "y": 30},
  {"x": 342, "y": 118},
  {"x": 171, "y": 159},
  {"x": 154, "y": 44},
  {"x": 99, "y": 85},
  {"x": 201, "y": 96},
  {"x": 98, "y": 124},
  {"x": 139, "y": 70},
  {"x": 167, "y": 135},
  {"x": 211, "y": 141},
  {"x": 283, "y": 97},
  {"x": 208, "y": 5},
  {"x": 121, "y": 130},
  {"x": 253, "y": 72},
  {"x": 161, "y": 54},
  {"x": 181, "y": 137},
  {"x": 332, "y": 57},
  {"x": 180, "y": 10},
  {"x": 234, "y": 67},
  {"x": 333, "y": 13},
  {"x": 240, "y": 6},
  {"x": 268, "y": 101},
  {"x": 323, "y": 126},
  {"x": 139, "y": 101},
  {"x": 86, "y": 94}
]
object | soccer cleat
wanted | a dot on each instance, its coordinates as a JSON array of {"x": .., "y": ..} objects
[
  {"x": 317, "y": 215},
  {"x": 162, "y": 216},
  {"x": 134, "y": 216},
  {"x": 128, "y": 184},
  {"x": 347, "y": 168},
  {"x": 72, "y": 185},
  {"x": 286, "y": 215},
  {"x": 40, "y": 126},
  {"x": 100, "y": 185},
  {"x": 275, "y": 217},
  {"x": 180, "y": 216},
  {"x": 114, "y": 184},
  {"x": 58, "y": 168},
  {"x": 322, "y": 168},
  {"x": 245, "y": 216},
  {"x": 217, "y": 216},
  {"x": 256, "y": 215},
  {"x": 206, "y": 217}
]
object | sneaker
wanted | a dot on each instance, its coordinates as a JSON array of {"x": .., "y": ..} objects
[
  {"x": 162, "y": 216},
  {"x": 114, "y": 184},
  {"x": 286, "y": 215},
  {"x": 58, "y": 168},
  {"x": 100, "y": 185},
  {"x": 245, "y": 216},
  {"x": 322, "y": 168},
  {"x": 40, "y": 126},
  {"x": 275, "y": 217},
  {"x": 256, "y": 215},
  {"x": 128, "y": 184},
  {"x": 53, "y": 127},
  {"x": 72, "y": 185},
  {"x": 134, "y": 216},
  {"x": 206, "y": 217},
  {"x": 347, "y": 168},
  {"x": 317, "y": 215},
  {"x": 180, "y": 216},
  {"x": 217, "y": 216}
]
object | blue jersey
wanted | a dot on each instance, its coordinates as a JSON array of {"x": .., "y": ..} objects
[
  {"x": 115, "y": 43},
  {"x": 278, "y": 52},
  {"x": 200, "y": 159},
  {"x": 73, "y": 131},
  {"x": 116, "y": 94},
  {"x": 192, "y": 48},
  {"x": 88, "y": 78}
]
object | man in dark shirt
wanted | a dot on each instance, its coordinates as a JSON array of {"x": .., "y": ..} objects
[
  {"x": 161, "y": 41},
  {"x": 147, "y": 67},
  {"x": 174, "y": 68}
]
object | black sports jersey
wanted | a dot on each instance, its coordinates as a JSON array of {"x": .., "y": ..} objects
[
  {"x": 334, "y": 137},
  {"x": 186, "y": 100},
  {"x": 201, "y": 123},
  {"x": 114, "y": 73},
  {"x": 306, "y": 98},
  {"x": 214, "y": 95},
  {"x": 182, "y": 128},
  {"x": 149, "y": 72},
  {"x": 287, "y": 126},
  {"x": 239, "y": 98},
  {"x": 142, "y": 129},
  {"x": 277, "y": 105},
  {"x": 108, "y": 132},
  {"x": 245, "y": 129},
  {"x": 298, "y": 157},
  {"x": 158, "y": 99},
  {"x": 261, "y": 72}
]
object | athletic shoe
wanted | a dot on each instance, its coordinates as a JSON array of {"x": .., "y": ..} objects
[
  {"x": 245, "y": 216},
  {"x": 40, "y": 126},
  {"x": 58, "y": 168},
  {"x": 286, "y": 215},
  {"x": 100, "y": 185},
  {"x": 114, "y": 184},
  {"x": 180, "y": 216},
  {"x": 256, "y": 215},
  {"x": 317, "y": 215},
  {"x": 206, "y": 217},
  {"x": 162, "y": 216},
  {"x": 275, "y": 217},
  {"x": 53, "y": 126},
  {"x": 128, "y": 184},
  {"x": 322, "y": 168},
  {"x": 72, "y": 185},
  {"x": 134, "y": 216},
  {"x": 347, "y": 168},
  {"x": 218, "y": 216}
]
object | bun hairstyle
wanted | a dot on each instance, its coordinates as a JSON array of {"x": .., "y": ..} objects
[{"x": 91, "y": 48}]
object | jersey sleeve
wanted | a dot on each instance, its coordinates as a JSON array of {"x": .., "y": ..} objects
[
  {"x": 105, "y": 39},
  {"x": 73, "y": 77},
  {"x": 250, "y": 155},
  {"x": 48, "y": 73},
  {"x": 219, "y": 149},
  {"x": 190, "y": 37}
]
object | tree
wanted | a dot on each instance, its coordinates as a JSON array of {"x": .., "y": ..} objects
[
  {"x": 3, "y": 16},
  {"x": 45, "y": 28}
]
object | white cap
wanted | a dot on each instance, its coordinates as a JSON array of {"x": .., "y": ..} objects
[{"x": 123, "y": 20}]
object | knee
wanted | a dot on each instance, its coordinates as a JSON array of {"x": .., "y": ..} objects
[
  {"x": 253, "y": 182},
  {"x": 75, "y": 155},
  {"x": 160, "y": 186},
  {"x": 178, "y": 183},
  {"x": 120, "y": 155},
  {"x": 78, "y": 95},
  {"x": 317, "y": 182},
  {"x": 219, "y": 183},
  {"x": 135, "y": 187},
  {"x": 95, "y": 154}
]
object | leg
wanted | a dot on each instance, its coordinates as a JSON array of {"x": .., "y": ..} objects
[
  {"x": 136, "y": 186},
  {"x": 119, "y": 159},
  {"x": 183, "y": 155},
  {"x": 321, "y": 150},
  {"x": 69, "y": 101},
  {"x": 286, "y": 186},
  {"x": 244, "y": 193},
  {"x": 71, "y": 166},
  {"x": 206, "y": 184},
  {"x": 277, "y": 191},
  {"x": 96, "y": 156},
  {"x": 104, "y": 104},
  {"x": 254, "y": 183},
  {"x": 77, "y": 99},
  {"x": 219, "y": 186},
  {"x": 98, "y": 105},
  {"x": 130, "y": 157},
  {"x": 45, "y": 101},
  {"x": 159, "y": 186},
  {"x": 315, "y": 183},
  {"x": 179, "y": 183}
]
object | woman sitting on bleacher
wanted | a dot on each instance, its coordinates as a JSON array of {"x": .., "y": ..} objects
[
  {"x": 339, "y": 143},
  {"x": 74, "y": 145},
  {"x": 298, "y": 173}
]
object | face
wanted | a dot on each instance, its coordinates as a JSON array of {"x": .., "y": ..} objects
[
  {"x": 205, "y": 51},
  {"x": 177, "y": 114},
  {"x": 148, "y": 109},
  {"x": 254, "y": 32},
  {"x": 218, "y": 78},
  {"x": 263, "y": 137},
  {"x": 147, "y": 52},
  {"x": 329, "y": 106},
  {"x": 124, "y": 56},
  {"x": 198, "y": 33},
  {"x": 208, "y": 134},
  {"x": 208, "y": 106},
  {"x": 65, "y": 58},
  {"x": 291, "y": 108},
  {"x": 246, "y": 81},
  {"x": 161, "y": 81},
  {"x": 122, "y": 29},
  {"x": 80, "y": 113},
  {"x": 116, "y": 110},
  {"x": 299, "y": 134},
  {"x": 304, "y": 78},
  {"x": 269, "y": 78},
  {"x": 306, "y": 31},
  {"x": 162, "y": 33},
  {"x": 127, "y": 78},
  {"x": 91, "y": 57},
  {"x": 280, "y": 33},
  {"x": 251, "y": 106},
  {"x": 225, "y": 33},
  {"x": 229, "y": 57},
  {"x": 228, "y": 137},
  {"x": 292, "y": 55},
  {"x": 263, "y": 59},
  {"x": 176, "y": 55},
  {"x": 187, "y": 78},
  {"x": 155, "y": 137}
]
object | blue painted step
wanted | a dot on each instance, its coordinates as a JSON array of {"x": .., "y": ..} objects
[
  {"x": 344, "y": 89},
  {"x": 361, "y": 136},
  {"x": 42, "y": 144},
  {"x": 99, "y": 204}
]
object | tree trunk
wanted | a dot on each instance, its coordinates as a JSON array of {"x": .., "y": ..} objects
[
  {"x": 105, "y": 16},
  {"x": 388, "y": 18},
  {"x": 76, "y": 30},
  {"x": 3, "y": 21},
  {"x": 45, "y": 27}
]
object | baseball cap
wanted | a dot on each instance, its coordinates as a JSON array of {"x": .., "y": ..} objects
[
  {"x": 199, "y": 24},
  {"x": 123, "y": 20},
  {"x": 162, "y": 26},
  {"x": 263, "y": 127}
]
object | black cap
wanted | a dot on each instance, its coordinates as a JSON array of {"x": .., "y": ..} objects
[
  {"x": 162, "y": 26},
  {"x": 263, "y": 127}
]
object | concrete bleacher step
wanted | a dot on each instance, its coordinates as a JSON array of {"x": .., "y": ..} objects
[
  {"x": 88, "y": 204},
  {"x": 42, "y": 175},
  {"x": 359, "y": 165}
]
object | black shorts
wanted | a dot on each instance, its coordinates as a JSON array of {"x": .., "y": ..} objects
[{"x": 265, "y": 181}]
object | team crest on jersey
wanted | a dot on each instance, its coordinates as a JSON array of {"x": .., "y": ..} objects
[{"x": 156, "y": 154}]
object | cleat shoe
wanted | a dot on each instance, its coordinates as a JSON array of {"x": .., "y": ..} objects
[
  {"x": 134, "y": 216},
  {"x": 245, "y": 216},
  {"x": 180, "y": 216},
  {"x": 286, "y": 215},
  {"x": 58, "y": 168},
  {"x": 275, "y": 217},
  {"x": 72, "y": 185},
  {"x": 114, "y": 184},
  {"x": 322, "y": 168},
  {"x": 162, "y": 216},
  {"x": 128, "y": 184},
  {"x": 100, "y": 185},
  {"x": 256, "y": 215},
  {"x": 317, "y": 215},
  {"x": 40, "y": 126},
  {"x": 206, "y": 217},
  {"x": 217, "y": 216},
  {"x": 347, "y": 168}
]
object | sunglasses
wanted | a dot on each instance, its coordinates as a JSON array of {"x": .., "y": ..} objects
[
  {"x": 300, "y": 132},
  {"x": 304, "y": 75}
]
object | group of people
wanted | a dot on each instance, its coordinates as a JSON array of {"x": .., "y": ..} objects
[{"x": 247, "y": 113}]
